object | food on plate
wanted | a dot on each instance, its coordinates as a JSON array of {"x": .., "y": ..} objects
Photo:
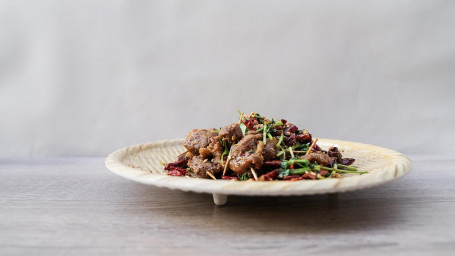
[{"x": 257, "y": 148}]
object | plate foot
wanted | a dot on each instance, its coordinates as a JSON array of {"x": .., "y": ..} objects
[{"x": 220, "y": 199}]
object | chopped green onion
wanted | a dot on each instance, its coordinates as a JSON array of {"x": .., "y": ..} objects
[
  {"x": 342, "y": 171},
  {"x": 292, "y": 153},
  {"x": 225, "y": 152},
  {"x": 299, "y": 171},
  {"x": 281, "y": 139},
  {"x": 303, "y": 161},
  {"x": 244, "y": 176},
  {"x": 264, "y": 139},
  {"x": 243, "y": 128},
  {"x": 350, "y": 168}
]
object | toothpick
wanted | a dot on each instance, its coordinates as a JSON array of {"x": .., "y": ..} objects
[
  {"x": 254, "y": 173},
  {"x": 226, "y": 165},
  {"x": 211, "y": 175},
  {"x": 311, "y": 147}
]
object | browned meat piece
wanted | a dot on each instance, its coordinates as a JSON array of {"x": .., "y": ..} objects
[
  {"x": 333, "y": 152},
  {"x": 318, "y": 157},
  {"x": 204, "y": 153},
  {"x": 304, "y": 137},
  {"x": 201, "y": 166},
  {"x": 198, "y": 138},
  {"x": 252, "y": 132},
  {"x": 216, "y": 148},
  {"x": 231, "y": 133},
  {"x": 246, "y": 154},
  {"x": 270, "y": 149},
  {"x": 189, "y": 155}
]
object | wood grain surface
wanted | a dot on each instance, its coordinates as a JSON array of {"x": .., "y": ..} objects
[{"x": 75, "y": 206}]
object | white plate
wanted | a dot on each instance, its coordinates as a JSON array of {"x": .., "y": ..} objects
[{"x": 142, "y": 163}]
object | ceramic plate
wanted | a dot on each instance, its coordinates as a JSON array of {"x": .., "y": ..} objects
[{"x": 142, "y": 163}]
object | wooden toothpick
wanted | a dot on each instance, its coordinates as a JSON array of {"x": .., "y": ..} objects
[
  {"x": 311, "y": 147},
  {"x": 226, "y": 165},
  {"x": 254, "y": 173},
  {"x": 211, "y": 175}
]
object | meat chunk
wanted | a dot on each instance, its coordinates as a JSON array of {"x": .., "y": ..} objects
[
  {"x": 205, "y": 153},
  {"x": 216, "y": 148},
  {"x": 336, "y": 157},
  {"x": 199, "y": 138},
  {"x": 304, "y": 137},
  {"x": 318, "y": 157},
  {"x": 246, "y": 154},
  {"x": 231, "y": 133},
  {"x": 270, "y": 149},
  {"x": 333, "y": 152},
  {"x": 201, "y": 166}
]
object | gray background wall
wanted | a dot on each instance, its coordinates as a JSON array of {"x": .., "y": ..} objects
[{"x": 83, "y": 78}]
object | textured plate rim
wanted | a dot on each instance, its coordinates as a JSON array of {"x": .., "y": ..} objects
[{"x": 402, "y": 166}]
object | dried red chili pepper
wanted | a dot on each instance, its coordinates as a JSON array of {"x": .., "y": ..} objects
[
  {"x": 269, "y": 176},
  {"x": 347, "y": 161},
  {"x": 180, "y": 163},
  {"x": 175, "y": 171},
  {"x": 275, "y": 163},
  {"x": 291, "y": 177},
  {"x": 224, "y": 177}
]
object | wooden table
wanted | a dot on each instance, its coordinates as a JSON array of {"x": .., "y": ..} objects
[{"x": 75, "y": 206}]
